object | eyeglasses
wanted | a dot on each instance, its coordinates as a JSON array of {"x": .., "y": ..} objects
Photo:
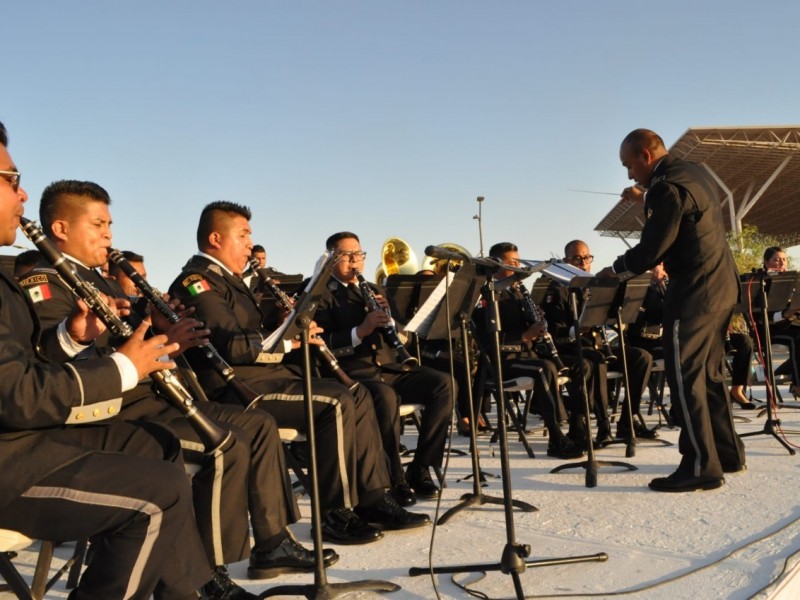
[
  {"x": 12, "y": 177},
  {"x": 353, "y": 256},
  {"x": 581, "y": 259}
]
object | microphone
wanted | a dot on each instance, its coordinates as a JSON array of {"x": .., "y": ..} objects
[{"x": 444, "y": 254}]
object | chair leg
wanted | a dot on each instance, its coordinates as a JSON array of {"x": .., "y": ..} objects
[
  {"x": 78, "y": 559},
  {"x": 13, "y": 579}
]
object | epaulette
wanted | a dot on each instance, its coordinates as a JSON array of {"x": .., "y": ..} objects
[{"x": 215, "y": 268}]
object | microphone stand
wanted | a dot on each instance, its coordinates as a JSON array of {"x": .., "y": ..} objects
[
  {"x": 321, "y": 589},
  {"x": 514, "y": 554}
]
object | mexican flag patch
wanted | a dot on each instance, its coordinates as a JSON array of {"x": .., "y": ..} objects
[
  {"x": 39, "y": 293},
  {"x": 198, "y": 287}
]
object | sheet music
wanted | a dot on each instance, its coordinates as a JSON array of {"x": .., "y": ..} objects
[
  {"x": 423, "y": 319},
  {"x": 560, "y": 271},
  {"x": 271, "y": 343}
]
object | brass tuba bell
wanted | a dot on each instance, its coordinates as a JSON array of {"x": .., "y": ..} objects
[
  {"x": 437, "y": 265},
  {"x": 397, "y": 257}
]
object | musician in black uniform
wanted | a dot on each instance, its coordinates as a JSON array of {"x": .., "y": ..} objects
[
  {"x": 640, "y": 362},
  {"x": 75, "y": 216},
  {"x": 63, "y": 480},
  {"x": 518, "y": 339},
  {"x": 354, "y": 334},
  {"x": 352, "y": 468},
  {"x": 684, "y": 228},
  {"x": 783, "y": 328}
]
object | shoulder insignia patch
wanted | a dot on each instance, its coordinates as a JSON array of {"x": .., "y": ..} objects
[
  {"x": 39, "y": 293},
  {"x": 34, "y": 280}
]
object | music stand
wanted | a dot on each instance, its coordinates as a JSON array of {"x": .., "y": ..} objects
[
  {"x": 599, "y": 293},
  {"x": 625, "y": 310},
  {"x": 514, "y": 554},
  {"x": 780, "y": 290},
  {"x": 298, "y": 323},
  {"x": 436, "y": 319}
]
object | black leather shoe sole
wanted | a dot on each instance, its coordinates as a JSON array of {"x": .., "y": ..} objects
[
  {"x": 268, "y": 572},
  {"x": 408, "y": 521},
  {"x": 350, "y": 538},
  {"x": 689, "y": 484}
]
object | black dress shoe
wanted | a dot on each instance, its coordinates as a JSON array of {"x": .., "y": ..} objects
[
  {"x": 288, "y": 557},
  {"x": 343, "y": 526},
  {"x": 641, "y": 432},
  {"x": 404, "y": 495},
  {"x": 603, "y": 435},
  {"x": 387, "y": 513},
  {"x": 678, "y": 482},
  {"x": 419, "y": 478},
  {"x": 563, "y": 447},
  {"x": 221, "y": 587}
]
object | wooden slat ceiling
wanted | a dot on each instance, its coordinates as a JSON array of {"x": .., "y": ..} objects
[{"x": 744, "y": 158}]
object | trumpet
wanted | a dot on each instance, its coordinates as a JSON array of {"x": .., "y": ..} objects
[
  {"x": 286, "y": 304},
  {"x": 534, "y": 315},
  {"x": 388, "y": 332},
  {"x": 246, "y": 394},
  {"x": 212, "y": 436}
]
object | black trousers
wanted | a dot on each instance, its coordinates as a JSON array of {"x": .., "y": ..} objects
[
  {"x": 350, "y": 458},
  {"x": 251, "y": 477},
  {"x": 422, "y": 385},
  {"x": 545, "y": 388},
  {"x": 136, "y": 506},
  {"x": 693, "y": 354}
]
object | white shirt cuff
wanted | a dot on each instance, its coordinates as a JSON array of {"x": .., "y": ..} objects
[
  {"x": 354, "y": 339},
  {"x": 68, "y": 345},
  {"x": 127, "y": 371}
]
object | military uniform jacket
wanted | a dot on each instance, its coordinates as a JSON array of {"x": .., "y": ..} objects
[
  {"x": 54, "y": 301},
  {"x": 684, "y": 228},
  {"x": 230, "y": 310},
  {"x": 36, "y": 394},
  {"x": 341, "y": 308},
  {"x": 512, "y": 321}
]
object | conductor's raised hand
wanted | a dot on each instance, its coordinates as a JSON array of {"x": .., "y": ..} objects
[{"x": 146, "y": 354}]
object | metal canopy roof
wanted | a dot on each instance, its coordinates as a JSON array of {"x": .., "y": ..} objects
[{"x": 758, "y": 173}]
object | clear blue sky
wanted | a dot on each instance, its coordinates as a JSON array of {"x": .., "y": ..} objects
[{"x": 385, "y": 118}]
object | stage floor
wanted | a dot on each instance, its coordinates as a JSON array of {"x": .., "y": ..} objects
[{"x": 740, "y": 541}]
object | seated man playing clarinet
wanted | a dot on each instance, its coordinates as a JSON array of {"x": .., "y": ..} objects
[
  {"x": 76, "y": 219},
  {"x": 359, "y": 330},
  {"x": 352, "y": 470},
  {"x": 522, "y": 327},
  {"x": 640, "y": 362}
]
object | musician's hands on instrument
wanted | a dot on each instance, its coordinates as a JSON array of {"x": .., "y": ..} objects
[
  {"x": 146, "y": 354},
  {"x": 374, "y": 320},
  {"x": 607, "y": 272},
  {"x": 634, "y": 194},
  {"x": 382, "y": 302},
  {"x": 186, "y": 333},
  {"x": 83, "y": 325},
  {"x": 534, "y": 332},
  {"x": 313, "y": 336}
]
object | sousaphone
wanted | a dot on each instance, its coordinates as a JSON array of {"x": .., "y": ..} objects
[
  {"x": 438, "y": 266},
  {"x": 397, "y": 257}
]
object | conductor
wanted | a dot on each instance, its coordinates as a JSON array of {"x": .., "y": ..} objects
[{"x": 684, "y": 228}]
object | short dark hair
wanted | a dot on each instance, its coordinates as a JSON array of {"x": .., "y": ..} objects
[
  {"x": 644, "y": 139},
  {"x": 3, "y": 135},
  {"x": 62, "y": 198},
  {"x": 209, "y": 218},
  {"x": 772, "y": 251},
  {"x": 29, "y": 258},
  {"x": 569, "y": 245},
  {"x": 258, "y": 248},
  {"x": 499, "y": 249},
  {"x": 331, "y": 242}
]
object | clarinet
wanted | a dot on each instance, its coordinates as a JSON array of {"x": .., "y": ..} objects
[
  {"x": 605, "y": 347},
  {"x": 245, "y": 393},
  {"x": 389, "y": 332},
  {"x": 212, "y": 436},
  {"x": 533, "y": 315},
  {"x": 325, "y": 354}
]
